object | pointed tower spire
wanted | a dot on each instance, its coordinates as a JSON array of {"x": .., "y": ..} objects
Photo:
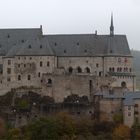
[{"x": 111, "y": 26}]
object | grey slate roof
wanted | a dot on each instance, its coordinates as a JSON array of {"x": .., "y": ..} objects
[
  {"x": 11, "y": 43},
  {"x": 35, "y": 47},
  {"x": 12, "y": 37},
  {"x": 89, "y": 45},
  {"x": 130, "y": 97},
  {"x": 109, "y": 96}
]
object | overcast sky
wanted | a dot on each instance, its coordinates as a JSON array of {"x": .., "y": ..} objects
[{"x": 74, "y": 16}]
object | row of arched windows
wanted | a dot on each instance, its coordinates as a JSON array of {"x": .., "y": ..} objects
[
  {"x": 79, "y": 70},
  {"x": 119, "y": 69}
]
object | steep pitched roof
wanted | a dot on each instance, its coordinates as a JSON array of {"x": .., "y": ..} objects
[
  {"x": 12, "y": 37},
  {"x": 33, "y": 47},
  {"x": 89, "y": 45}
]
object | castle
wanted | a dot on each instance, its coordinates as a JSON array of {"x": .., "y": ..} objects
[{"x": 61, "y": 65}]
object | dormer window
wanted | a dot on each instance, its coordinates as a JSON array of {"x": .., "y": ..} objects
[
  {"x": 8, "y": 36},
  {"x": 77, "y": 43},
  {"x": 55, "y": 44},
  {"x": 22, "y": 41},
  {"x": 65, "y": 51},
  {"x": 29, "y": 46},
  {"x": 85, "y": 51},
  {"x": 40, "y": 46}
]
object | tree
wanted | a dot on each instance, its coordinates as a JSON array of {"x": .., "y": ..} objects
[
  {"x": 136, "y": 131},
  {"x": 103, "y": 127},
  {"x": 118, "y": 118},
  {"x": 122, "y": 132},
  {"x": 2, "y": 128},
  {"x": 43, "y": 129},
  {"x": 84, "y": 127},
  {"x": 67, "y": 125},
  {"x": 13, "y": 134}
]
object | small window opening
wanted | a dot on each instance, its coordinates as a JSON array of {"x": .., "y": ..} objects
[
  {"x": 100, "y": 73},
  {"x": 29, "y": 46},
  {"x": 79, "y": 70},
  {"x": 97, "y": 65},
  {"x": 18, "y": 65},
  {"x": 41, "y": 63},
  {"x": 49, "y": 81},
  {"x": 9, "y": 62},
  {"x": 8, "y": 79},
  {"x": 19, "y": 77},
  {"x": 48, "y": 64},
  {"x": 8, "y": 36},
  {"x": 29, "y": 77},
  {"x": 39, "y": 74},
  {"x": 9, "y": 70},
  {"x": 40, "y": 46},
  {"x": 70, "y": 69},
  {"x": 87, "y": 70},
  {"x": 85, "y": 51}
]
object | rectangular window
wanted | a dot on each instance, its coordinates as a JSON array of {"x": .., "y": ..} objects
[
  {"x": 9, "y": 62},
  {"x": 48, "y": 64},
  {"x": 97, "y": 65},
  {"x": 129, "y": 107},
  {"x": 18, "y": 65},
  {"x": 29, "y": 77},
  {"x": 8, "y": 79},
  {"x": 39, "y": 74},
  {"x": 41, "y": 64},
  {"x": 9, "y": 70},
  {"x": 136, "y": 105},
  {"x": 129, "y": 114}
]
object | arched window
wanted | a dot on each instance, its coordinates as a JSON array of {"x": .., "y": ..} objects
[
  {"x": 19, "y": 77},
  {"x": 79, "y": 70},
  {"x": 110, "y": 69},
  {"x": 130, "y": 70},
  {"x": 70, "y": 69},
  {"x": 29, "y": 77},
  {"x": 123, "y": 84},
  {"x": 49, "y": 81},
  {"x": 87, "y": 70},
  {"x": 113, "y": 69}
]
